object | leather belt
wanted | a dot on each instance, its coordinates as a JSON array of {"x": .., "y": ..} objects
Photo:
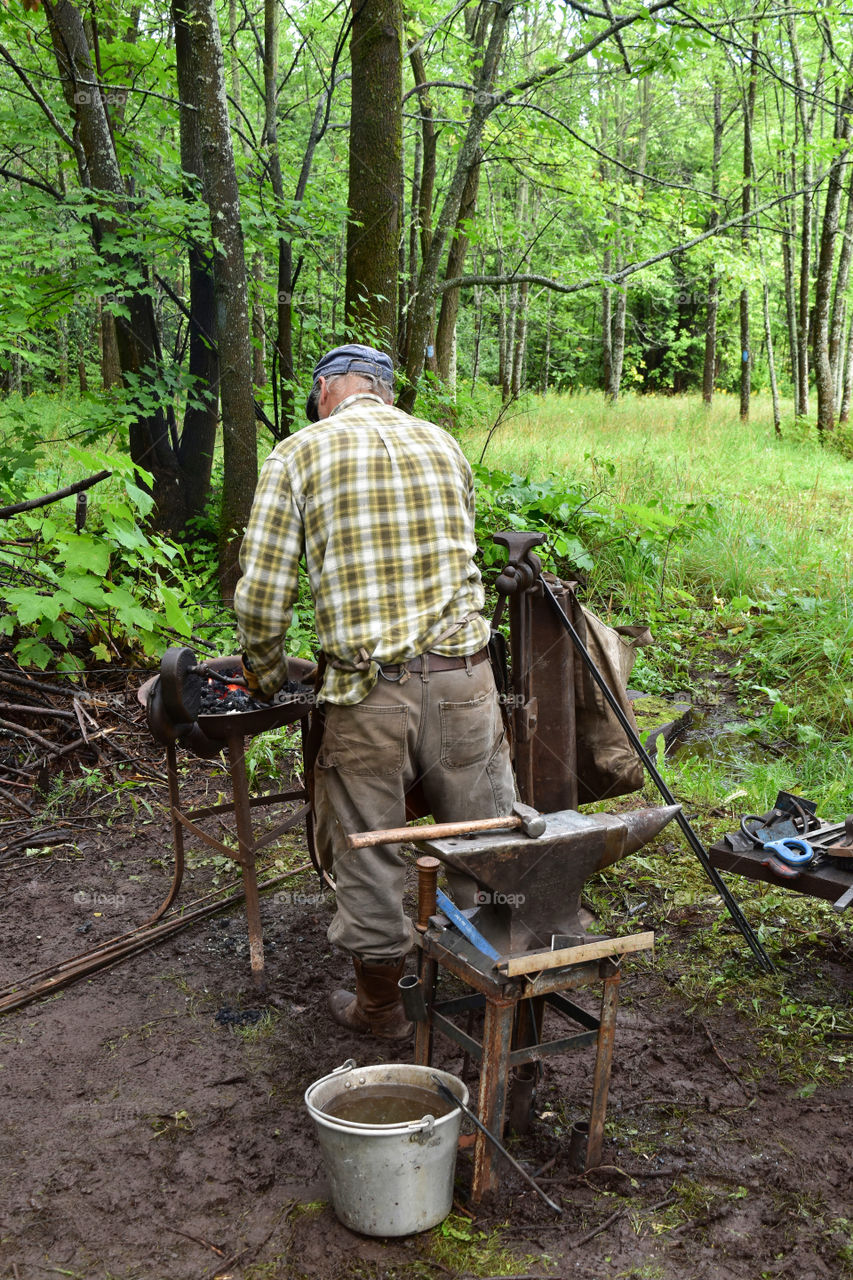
[{"x": 435, "y": 662}]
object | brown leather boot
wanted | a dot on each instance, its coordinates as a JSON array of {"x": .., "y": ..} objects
[{"x": 376, "y": 1009}]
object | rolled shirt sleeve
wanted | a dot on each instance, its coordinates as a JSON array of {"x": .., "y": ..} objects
[{"x": 269, "y": 558}]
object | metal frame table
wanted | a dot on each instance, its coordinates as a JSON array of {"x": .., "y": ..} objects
[{"x": 516, "y": 1004}]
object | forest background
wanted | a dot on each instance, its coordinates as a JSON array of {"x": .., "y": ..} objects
[{"x": 571, "y": 210}]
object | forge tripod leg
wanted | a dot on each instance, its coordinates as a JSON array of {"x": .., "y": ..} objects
[
  {"x": 246, "y": 845},
  {"x": 603, "y": 1060},
  {"x": 494, "y": 1072}
]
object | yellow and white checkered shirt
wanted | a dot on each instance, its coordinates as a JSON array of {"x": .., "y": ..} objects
[{"x": 382, "y": 507}]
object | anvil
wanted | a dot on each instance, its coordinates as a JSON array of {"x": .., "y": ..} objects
[{"x": 529, "y": 888}]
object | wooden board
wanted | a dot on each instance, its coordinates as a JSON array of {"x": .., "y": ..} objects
[{"x": 538, "y": 961}]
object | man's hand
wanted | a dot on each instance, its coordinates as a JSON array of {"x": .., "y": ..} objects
[{"x": 252, "y": 682}]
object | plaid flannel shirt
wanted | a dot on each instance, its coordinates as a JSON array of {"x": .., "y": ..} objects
[{"x": 382, "y": 507}]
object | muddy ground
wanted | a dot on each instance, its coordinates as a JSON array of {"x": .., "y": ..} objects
[{"x": 151, "y": 1130}]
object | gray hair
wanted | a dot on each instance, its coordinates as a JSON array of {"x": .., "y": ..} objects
[{"x": 378, "y": 386}]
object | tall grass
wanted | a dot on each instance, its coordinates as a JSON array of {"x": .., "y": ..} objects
[{"x": 756, "y": 573}]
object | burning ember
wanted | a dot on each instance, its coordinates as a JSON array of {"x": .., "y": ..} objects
[{"x": 219, "y": 698}]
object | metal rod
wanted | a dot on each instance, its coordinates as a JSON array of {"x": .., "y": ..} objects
[
  {"x": 692, "y": 839},
  {"x": 449, "y": 1096}
]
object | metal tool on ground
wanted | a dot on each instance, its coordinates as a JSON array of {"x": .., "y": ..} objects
[
  {"x": 451, "y": 1097},
  {"x": 522, "y": 818}
]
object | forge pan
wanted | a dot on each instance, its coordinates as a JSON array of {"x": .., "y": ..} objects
[{"x": 221, "y": 727}]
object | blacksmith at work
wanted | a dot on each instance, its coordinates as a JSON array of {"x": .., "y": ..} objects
[{"x": 381, "y": 506}]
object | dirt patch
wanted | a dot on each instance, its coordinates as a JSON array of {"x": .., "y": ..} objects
[{"x": 153, "y": 1126}]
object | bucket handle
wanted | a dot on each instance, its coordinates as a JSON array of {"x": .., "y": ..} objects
[
  {"x": 349, "y": 1065},
  {"x": 423, "y": 1130}
]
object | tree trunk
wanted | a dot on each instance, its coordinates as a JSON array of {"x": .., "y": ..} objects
[
  {"x": 842, "y": 279},
  {"x": 788, "y": 235},
  {"x": 746, "y": 204},
  {"x": 520, "y": 349},
  {"x": 445, "y": 334},
  {"x": 709, "y": 368},
  {"x": 619, "y": 315},
  {"x": 807, "y": 118},
  {"x": 482, "y": 106},
  {"x": 259, "y": 329},
  {"x": 824, "y": 382},
  {"x": 847, "y": 393},
  {"x": 137, "y": 339},
  {"x": 239, "y": 440},
  {"x": 606, "y": 325},
  {"x": 771, "y": 364},
  {"x": 201, "y": 415},
  {"x": 375, "y": 171}
]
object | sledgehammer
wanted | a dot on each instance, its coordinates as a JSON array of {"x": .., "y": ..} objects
[{"x": 529, "y": 820}]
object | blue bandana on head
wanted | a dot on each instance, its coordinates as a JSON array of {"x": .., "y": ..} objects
[{"x": 352, "y": 358}]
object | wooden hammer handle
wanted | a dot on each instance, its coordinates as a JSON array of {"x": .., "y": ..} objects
[{"x": 434, "y": 831}]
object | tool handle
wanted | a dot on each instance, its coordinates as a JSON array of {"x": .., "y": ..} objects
[
  {"x": 432, "y": 831},
  {"x": 427, "y": 886}
]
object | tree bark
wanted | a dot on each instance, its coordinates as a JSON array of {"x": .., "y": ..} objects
[
  {"x": 201, "y": 414},
  {"x": 445, "y": 334},
  {"x": 375, "y": 171},
  {"x": 137, "y": 339},
  {"x": 606, "y": 325},
  {"x": 481, "y": 108},
  {"x": 709, "y": 368},
  {"x": 842, "y": 279},
  {"x": 239, "y": 440},
  {"x": 746, "y": 202},
  {"x": 824, "y": 382}
]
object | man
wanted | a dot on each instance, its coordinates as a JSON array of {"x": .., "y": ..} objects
[{"x": 381, "y": 505}]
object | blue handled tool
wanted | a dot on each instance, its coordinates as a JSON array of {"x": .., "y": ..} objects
[
  {"x": 792, "y": 850},
  {"x": 464, "y": 925},
  {"x": 786, "y": 858}
]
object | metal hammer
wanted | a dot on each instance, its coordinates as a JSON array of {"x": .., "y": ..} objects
[{"x": 523, "y": 817}]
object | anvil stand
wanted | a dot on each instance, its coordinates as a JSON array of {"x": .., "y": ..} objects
[
  {"x": 516, "y": 1004},
  {"x": 248, "y": 846},
  {"x": 513, "y": 1016}
]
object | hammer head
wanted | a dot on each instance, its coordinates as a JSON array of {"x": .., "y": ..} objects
[{"x": 532, "y": 822}]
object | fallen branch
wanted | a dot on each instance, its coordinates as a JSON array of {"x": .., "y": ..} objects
[{"x": 7, "y": 512}]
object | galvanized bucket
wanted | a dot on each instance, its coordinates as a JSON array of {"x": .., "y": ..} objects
[{"x": 388, "y": 1179}]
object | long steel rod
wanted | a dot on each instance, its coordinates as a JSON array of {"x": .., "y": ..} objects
[{"x": 692, "y": 839}]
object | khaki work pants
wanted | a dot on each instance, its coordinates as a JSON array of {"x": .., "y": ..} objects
[{"x": 441, "y": 729}]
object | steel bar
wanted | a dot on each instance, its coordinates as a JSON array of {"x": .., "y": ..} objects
[
  {"x": 120, "y": 949},
  {"x": 692, "y": 839},
  {"x": 451, "y": 1097}
]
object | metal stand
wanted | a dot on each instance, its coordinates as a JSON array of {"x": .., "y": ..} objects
[
  {"x": 515, "y": 1003},
  {"x": 241, "y": 806}
]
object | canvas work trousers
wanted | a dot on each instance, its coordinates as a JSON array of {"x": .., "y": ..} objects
[{"x": 442, "y": 730}]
